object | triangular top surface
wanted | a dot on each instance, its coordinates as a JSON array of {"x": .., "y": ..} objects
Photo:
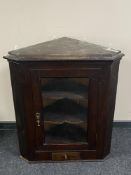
[{"x": 64, "y": 49}]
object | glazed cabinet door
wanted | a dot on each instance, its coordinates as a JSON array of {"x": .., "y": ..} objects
[{"x": 65, "y": 113}]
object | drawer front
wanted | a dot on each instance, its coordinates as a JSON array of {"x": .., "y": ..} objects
[{"x": 58, "y": 156}]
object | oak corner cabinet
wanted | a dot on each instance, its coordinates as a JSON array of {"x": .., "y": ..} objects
[{"x": 64, "y": 94}]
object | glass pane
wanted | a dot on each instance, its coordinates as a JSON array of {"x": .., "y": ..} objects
[{"x": 65, "y": 106}]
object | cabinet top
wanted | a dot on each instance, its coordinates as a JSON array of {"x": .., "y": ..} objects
[{"x": 64, "y": 49}]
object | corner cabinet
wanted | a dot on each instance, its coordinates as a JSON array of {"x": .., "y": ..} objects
[{"x": 64, "y": 96}]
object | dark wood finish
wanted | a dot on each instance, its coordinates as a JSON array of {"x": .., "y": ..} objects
[
  {"x": 64, "y": 57},
  {"x": 64, "y": 49}
]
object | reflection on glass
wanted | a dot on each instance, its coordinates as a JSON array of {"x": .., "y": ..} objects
[{"x": 65, "y": 104}]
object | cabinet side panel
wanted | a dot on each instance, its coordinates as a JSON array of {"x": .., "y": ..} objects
[
  {"x": 19, "y": 89},
  {"x": 112, "y": 89},
  {"x": 107, "y": 97}
]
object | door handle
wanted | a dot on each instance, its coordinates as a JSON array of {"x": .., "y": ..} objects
[{"x": 37, "y": 116}]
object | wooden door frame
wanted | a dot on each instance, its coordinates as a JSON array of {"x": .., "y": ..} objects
[{"x": 36, "y": 75}]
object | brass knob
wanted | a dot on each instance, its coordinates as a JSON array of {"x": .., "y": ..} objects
[{"x": 37, "y": 116}]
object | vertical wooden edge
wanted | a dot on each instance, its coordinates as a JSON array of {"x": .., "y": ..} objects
[
  {"x": 112, "y": 90},
  {"x": 23, "y": 108},
  {"x": 37, "y": 106},
  {"x": 107, "y": 96},
  {"x": 20, "y": 128},
  {"x": 93, "y": 113}
]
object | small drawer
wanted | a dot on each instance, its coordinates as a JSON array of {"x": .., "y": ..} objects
[{"x": 65, "y": 156}]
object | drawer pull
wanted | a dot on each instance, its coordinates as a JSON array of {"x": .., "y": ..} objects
[{"x": 65, "y": 156}]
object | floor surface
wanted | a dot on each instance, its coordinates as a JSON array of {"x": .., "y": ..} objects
[{"x": 117, "y": 163}]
